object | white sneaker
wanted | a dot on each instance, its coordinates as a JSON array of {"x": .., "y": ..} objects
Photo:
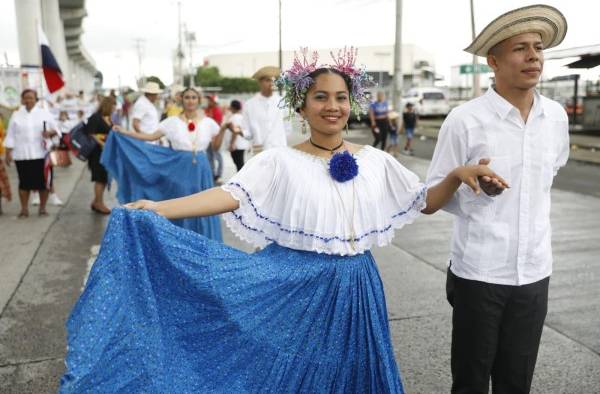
[
  {"x": 54, "y": 200},
  {"x": 35, "y": 199}
]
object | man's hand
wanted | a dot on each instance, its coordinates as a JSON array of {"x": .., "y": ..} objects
[
  {"x": 8, "y": 158},
  {"x": 490, "y": 186}
]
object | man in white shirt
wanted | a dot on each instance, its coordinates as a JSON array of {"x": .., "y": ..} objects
[
  {"x": 501, "y": 257},
  {"x": 144, "y": 113},
  {"x": 263, "y": 120}
]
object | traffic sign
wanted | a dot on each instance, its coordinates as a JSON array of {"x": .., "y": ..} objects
[{"x": 481, "y": 69}]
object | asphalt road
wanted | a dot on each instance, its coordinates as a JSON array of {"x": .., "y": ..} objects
[{"x": 576, "y": 176}]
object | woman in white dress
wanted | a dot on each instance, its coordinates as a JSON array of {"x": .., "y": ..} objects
[{"x": 305, "y": 314}]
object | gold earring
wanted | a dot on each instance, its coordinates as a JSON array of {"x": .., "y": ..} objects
[{"x": 303, "y": 126}]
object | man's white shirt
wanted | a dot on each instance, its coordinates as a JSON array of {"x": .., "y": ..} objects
[
  {"x": 146, "y": 112},
  {"x": 504, "y": 239},
  {"x": 263, "y": 121}
]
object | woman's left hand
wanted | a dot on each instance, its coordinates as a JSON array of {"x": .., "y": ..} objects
[{"x": 469, "y": 175}]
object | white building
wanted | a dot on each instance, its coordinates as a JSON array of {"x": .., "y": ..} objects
[{"x": 417, "y": 64}]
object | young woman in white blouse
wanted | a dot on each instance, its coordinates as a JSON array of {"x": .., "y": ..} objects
[
  {"x": 304, "y": 314},
  {"x": 188, "y": 131}
]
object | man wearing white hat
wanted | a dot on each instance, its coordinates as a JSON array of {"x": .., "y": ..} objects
[
  {"x": 144, "y": 113},
  {"x": 501, "y": 257},
  {"x": 263, "y": 120}
]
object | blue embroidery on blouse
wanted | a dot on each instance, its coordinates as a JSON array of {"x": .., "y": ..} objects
[{"x": 419, "y": 197}]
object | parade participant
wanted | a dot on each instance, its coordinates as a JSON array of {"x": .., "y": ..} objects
[
  {"x": 5, "y": 190},
  {"x": 409, "y": 124},
  {"x": 501, "y": 257},
  {"x": 174, "y": 172},
  {"x": 213, "y": 111},
  {"x": 305, "y": 314},
  {"x": 264, "y": 121},
  {"x": 238, "y": 145},
  {"x": 99, "y": 125},
  {"x": 393, "y": 148},
  {"x": 380, "y": 122},
  {"x": 25, "y": 143},
  {"x": 144, "y": 113}
]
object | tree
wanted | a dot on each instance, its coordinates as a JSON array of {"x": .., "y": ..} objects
[{"x": 210, "y": 76}]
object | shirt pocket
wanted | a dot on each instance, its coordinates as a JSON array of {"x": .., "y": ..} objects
[{"x": 486, "y": 246}]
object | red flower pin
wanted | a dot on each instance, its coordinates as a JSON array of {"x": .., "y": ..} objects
[{"x": 191, "y": 126}]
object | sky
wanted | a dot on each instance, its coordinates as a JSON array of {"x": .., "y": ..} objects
[{"x": 442, "y": 27}]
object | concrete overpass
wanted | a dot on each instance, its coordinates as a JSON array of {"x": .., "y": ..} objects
[{"x": 62, "y": 22}]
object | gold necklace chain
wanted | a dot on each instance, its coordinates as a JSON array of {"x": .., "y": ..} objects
[
  {"x": 195, "y": 136},
  {"x": 351, "y": 221}
]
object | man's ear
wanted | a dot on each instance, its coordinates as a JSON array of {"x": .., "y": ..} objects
[{"x": 492, "y": 62}]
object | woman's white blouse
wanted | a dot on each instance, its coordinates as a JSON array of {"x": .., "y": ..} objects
[
  {"x": 24, "y": 134},
  {"x": 176, "y": 131},
  {"x": 288, "y": 197}
]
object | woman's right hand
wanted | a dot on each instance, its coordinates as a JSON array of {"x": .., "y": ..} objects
[{"x": 143, "y": 204}]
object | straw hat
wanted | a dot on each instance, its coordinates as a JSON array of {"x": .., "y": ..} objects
[
  {"x": 393, "y": 115},
  {"x": 549, "y": 22},
  {"x": 151, "y": 88},
  {"x": 266, "y": 72}
]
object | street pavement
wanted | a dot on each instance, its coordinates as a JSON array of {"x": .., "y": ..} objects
[{"x": 44, "y": 262}]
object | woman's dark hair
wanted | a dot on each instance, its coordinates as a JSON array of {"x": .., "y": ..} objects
[
  {"x": 25, "y": 91},
  {"x": 106, "y": 106},
  {"x": 236, "y": 105},
  {"x": 326, "y": 70},
  {"x": 191, "y": 89}
]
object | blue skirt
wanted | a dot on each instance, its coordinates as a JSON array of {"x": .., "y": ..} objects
[
  {"x": 152, "y": 172},
  {"x": 169, "y": 311}
]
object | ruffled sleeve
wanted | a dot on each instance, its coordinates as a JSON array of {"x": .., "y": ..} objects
[
  {"x": 253, "y": 187},
  {"x": 406, "y": 194}
]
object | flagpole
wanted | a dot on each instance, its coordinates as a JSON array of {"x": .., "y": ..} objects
[{"x": 41, "y": 73}]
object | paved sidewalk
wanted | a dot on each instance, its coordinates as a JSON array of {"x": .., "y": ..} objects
[{"x": 44, "y": 262}]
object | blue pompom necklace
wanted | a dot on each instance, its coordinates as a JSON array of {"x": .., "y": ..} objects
[{"x": 342, "y": 165}]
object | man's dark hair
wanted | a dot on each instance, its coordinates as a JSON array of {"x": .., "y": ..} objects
[{"x": 236, "y": 105}]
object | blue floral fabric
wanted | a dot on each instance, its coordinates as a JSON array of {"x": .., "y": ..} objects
[{"x": 145, "y": 171}]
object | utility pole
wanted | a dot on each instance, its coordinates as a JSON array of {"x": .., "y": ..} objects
[
  {"x": 280, "y": 52},
  {"x": 139, "y": 47},
  {"x": 397, "y": 91},
  {"x": 476, "y": 87},
  {"x": 190, "y": 38},
  {"x": 179, "y": 46}
]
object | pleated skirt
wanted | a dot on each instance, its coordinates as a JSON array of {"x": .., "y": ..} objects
[{"x": 166, "y": 310}]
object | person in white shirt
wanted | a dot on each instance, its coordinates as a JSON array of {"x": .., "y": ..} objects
[
  {"x": 26, "y": 143},
  {"x": 144, "y": 113},
  {"x": 234, "y": 137},
  {"x": 263, "y": 120},
  {"x": 501, "y": 257}
]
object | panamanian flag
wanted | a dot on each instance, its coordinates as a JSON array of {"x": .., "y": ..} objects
[{"x": 52, "y": 73}]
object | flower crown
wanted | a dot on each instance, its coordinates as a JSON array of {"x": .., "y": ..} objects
[{"x": 296, "y": 81}]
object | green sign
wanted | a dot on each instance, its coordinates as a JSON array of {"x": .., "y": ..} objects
[{"x": 469, "y": 69}]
